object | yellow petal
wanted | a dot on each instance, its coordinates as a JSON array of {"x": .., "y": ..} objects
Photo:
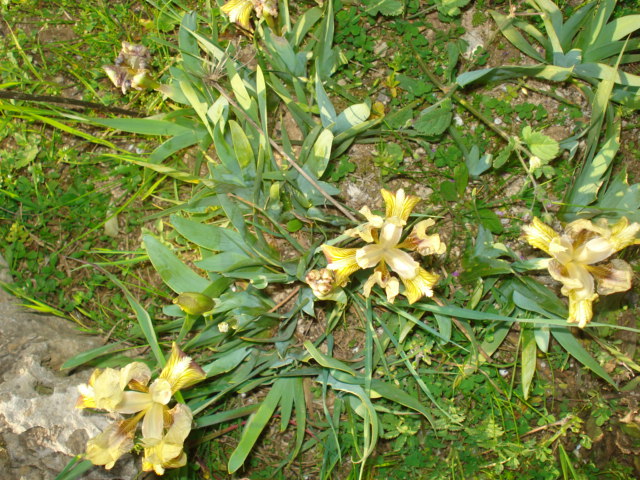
[
  {"x": 421, "y": 284},
  {"x": 342, "y": 261},
  {"x": 581, "y": 309},
  {"x": 369, "y": 256},
  {"x": 133, "y": 402},
  {"x": 137, "y": 372},
  {"x": 168, "y": 452},
  {"x": 422, "y": 243},
  {"x": 399, "y": 206},
  {"x": 180, "y": 371},
  {"x": 401, "y": 263},
  {"x": 382, "y": 278},
  {"x": 613, "y": 277},
  {"x": 153, "y": 424},
  {"x": 539, "y": 235},
  {"x": 623, "y": 234},
  {"x": 239, "y": 11},
  {"x": 103, "y": 390},
  {"x": 108, "y": 446}
]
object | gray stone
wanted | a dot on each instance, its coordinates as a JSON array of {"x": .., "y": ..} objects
[{"x": 40, "y": 428}]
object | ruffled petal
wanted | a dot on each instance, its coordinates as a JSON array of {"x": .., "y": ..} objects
[
  {"x": 239, "y": 11},
  {"x": 137, "y": 372},
  {"x": 612, "y": 277},
  {"x": 102, "y": 391},
  {"x": 342, "y": 261},
  {"x": 398, "y": 206},
  {"x": 108, "y": 446},
  {"x": 539, "y": 235},
  {"x": 421, "y": 284},
  {"x": 422, "y": 243},
  {"x": 382, "y": 278},
  {"x": 624, "y": 234},
  {"x": 180, "y": 371}
]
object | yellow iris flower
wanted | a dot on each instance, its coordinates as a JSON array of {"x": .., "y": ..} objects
[
  {"x": 168, "y": 452},
  {"x": 385, "y": 251},
  {"x": 576, "y": 260},
  {"x": 106, "y": 390}
]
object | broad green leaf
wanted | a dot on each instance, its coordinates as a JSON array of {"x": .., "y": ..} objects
[
  {"x": 143, "y": 126},
  {"x": 585, "y": 188},
  {"x": 351, "y": 117},
  {"x": 320, "y": 153},
  {"x": 542, "y": 334},
  {"x": 505, "y": 24},
  {"x": 528, "y": 363},
  {"x": 541, "y": 145},
  {"x": 89, "y": 355},
  {"x": 201, "y": 108},
  {"x": 620, "y": 199},
  {"x": 619, "y": 28},
  {"x": 476, "y": 164},
  {"x": 227, "y": 362},
  {"x": 188, "y": 45},
  {"x": 461, "y": 178},
  {"x": 241, "y": 145},
  {"x": 305, "y": 22},
  {"x": 434, "y": 121},
  {"x": 397, "y": 395},
  {"x": 255, "y": 425},
  {"x": 327, "y": 112},
  {"x": 602, "y": 71},
  {"x": 75, "y": 469},
  {"x": 545, "y": 72},
  {"x": 566, "y": 339},
  {"x": 173, "y": 272},
  {"x": 327, "y": 57},
  {"x": 209, "y": 236},
  {"x": 490, "y": 220},
  {"x": 327, "y": 361},
  {"x": 175, "y": 144}
]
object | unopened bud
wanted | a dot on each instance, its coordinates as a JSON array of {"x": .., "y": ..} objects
[{"x": 194, "y": 303}]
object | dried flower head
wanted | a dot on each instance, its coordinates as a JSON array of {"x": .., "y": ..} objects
[{"x": 131, "y": 68}]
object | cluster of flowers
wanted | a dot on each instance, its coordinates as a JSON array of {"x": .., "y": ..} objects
[
  {"x": 577, "y": 257},
  {"x": 384, "y": 249},
  {"x": 164, "y": 430}
]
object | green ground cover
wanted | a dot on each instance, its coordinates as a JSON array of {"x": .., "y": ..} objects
[{"x": 204, "y": 208}]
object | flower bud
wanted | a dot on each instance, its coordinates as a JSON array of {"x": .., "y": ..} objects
[{"x": 194, "y": 303}]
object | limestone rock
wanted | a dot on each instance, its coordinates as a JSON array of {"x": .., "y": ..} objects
[{"x": 40, "y": 430}]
